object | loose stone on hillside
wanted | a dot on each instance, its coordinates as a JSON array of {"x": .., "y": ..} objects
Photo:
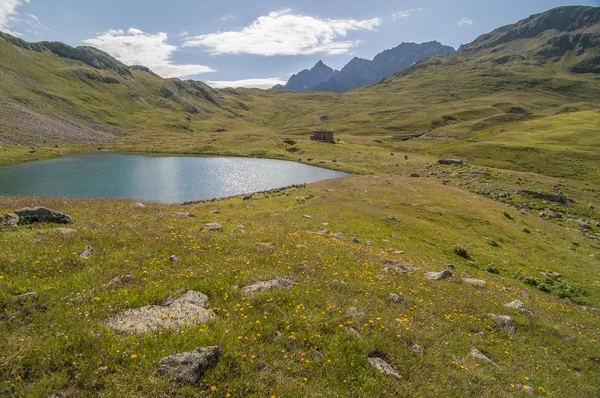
[
  {"x": 29, "y": 215},
  {"x": 138, "y": 205},
  {"x": 276, "y": 284},
  {"x": 384, "y": 367},
  {"x": 519, "y": 305},
  {"x": 213, "y": 226},
  {"x": 188, "y": 367},
  {"x": 182, "y": 214},
  {"x": 438, "y": 276},
  {"x": 417, "y": 349},
  {"x": 122, "y": 280},
  {"x": 475, "y": 353},
  {"x": 474, "y": 282},
  {"x": 266, "y": 245},
  {"x": 86, "y": 253},
  {"x": 505, "y": 322},
  {"x": 174, "y": 259},
  {"x": 10, "y": 221},
  {"x": 189, "y": 309},
  {"x": 65, "y": 231},
  {"x": 339, "y": 236},
  {"x": 356, "y": 314},
  {"x": 394, "y": 298},
  {"x": 392, "y": 265}
]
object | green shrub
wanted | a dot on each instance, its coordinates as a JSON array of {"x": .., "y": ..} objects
[
  {"x": 462, "y": 252},
  {"x": 492, "y": 269},
  {"x": 508, "y": 216}
]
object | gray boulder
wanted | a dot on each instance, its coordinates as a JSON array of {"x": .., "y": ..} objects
[
  {"x": 30, "y": 215},
  {"x": 188, "y": 367},
  {"x": 188, "y": 310}
]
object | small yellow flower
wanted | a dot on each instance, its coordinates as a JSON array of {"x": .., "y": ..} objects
[
  {"x": 133, "y": 356},
  {"x": 213, "y": 388}
]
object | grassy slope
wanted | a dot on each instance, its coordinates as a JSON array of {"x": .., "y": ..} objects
[{"x": 47, "y": 349}]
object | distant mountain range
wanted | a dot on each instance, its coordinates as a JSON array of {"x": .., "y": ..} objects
[{"x": 361, "y": 72}]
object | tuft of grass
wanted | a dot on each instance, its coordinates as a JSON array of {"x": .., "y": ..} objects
[{"x": 493, "y": 269}]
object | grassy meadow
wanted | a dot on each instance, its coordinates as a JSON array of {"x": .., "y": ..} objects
[{"x": 299, "y": 342}]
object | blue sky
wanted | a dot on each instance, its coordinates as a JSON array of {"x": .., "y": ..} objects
[{"x": 257, "y": 43}]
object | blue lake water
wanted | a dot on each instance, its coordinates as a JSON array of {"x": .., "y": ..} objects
[{"x": 164, "y": 179}]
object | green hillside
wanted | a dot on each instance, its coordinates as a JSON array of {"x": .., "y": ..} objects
[{"x": 519, "y": 220}]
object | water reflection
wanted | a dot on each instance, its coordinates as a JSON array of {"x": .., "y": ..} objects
[{"x": 157, "y": 179}]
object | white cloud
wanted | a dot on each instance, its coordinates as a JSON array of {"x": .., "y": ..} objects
[
  {"x": 9, "y": 15},
  {"x": 136, "y": 47},
  {"x": 248, "y": 83},
  {"x": 465, "y": 21},
  {"x": 282, "y": 33},
  {"x": 400, "y": 15}
]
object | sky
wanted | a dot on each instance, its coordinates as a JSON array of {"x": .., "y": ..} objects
[{"x": 237, "y": 43}]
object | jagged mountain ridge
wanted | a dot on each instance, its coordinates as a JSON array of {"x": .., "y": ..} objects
[
  {"x": 360, "y": 72},
  {"x": 307, "y": 79}
]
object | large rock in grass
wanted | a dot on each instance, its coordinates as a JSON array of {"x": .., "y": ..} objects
[
  {"x": 275, "y": 284},
  {"x": 438, "y": 276},
  {"x": 29, "y": 215},
  {"x": 384, "y": 367},
  {"x": 188, "y": 367},
  {"x": 192, "y": 308}
]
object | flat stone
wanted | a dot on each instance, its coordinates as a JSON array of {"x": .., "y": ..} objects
[
  {"x": 213, "y": 226},
  {"x": 321, "y": 233},
  {"x": 138, "y": 205},
  {"x": 188, "y": 367},
  {"x": 174, "y": 259},
  {"x": 189, "y": 309},
  {"x": 266, "y": 245},
  {"x": 474, "y": 282},
  {"x": 519, "y": 305},
  {"x": 65, "y": 231},
  {"x": 307, "y": 216},
  {"x": 384, "y": 367},
  {"x": 32, "y": 215},
  {"x": 182, "y": 214},
  {"x": 392, "y": 265},
  {"x": 505, "y": 322},
  {"x": 276, "y": 284},
  {"x": 478, "y": 355},
  {"x": 438, "y": 276}
]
